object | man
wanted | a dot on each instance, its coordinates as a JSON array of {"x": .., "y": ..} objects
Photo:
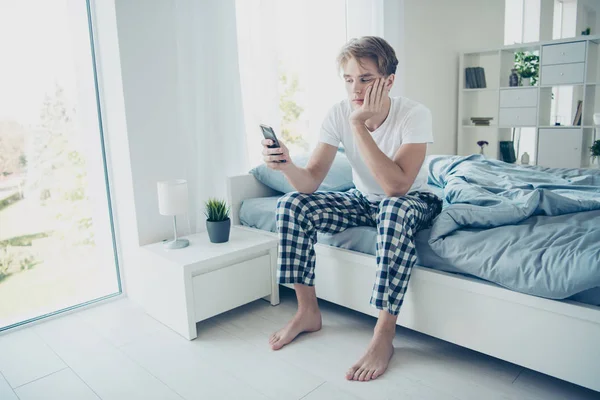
[{"x": 385, "y": 140}]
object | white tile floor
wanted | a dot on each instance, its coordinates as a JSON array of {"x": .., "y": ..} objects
[{"x": 115, "y": 351}]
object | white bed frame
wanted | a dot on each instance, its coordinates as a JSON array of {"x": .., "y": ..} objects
[{"x": 558, "y": 338}]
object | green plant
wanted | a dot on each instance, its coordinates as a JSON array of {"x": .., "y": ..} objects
[
  {"x": 527, "y": 65},
  {"x": 7, "y": 259},
  {"x": 595, "y": 149},
  {"x": 216, "y": 210}
]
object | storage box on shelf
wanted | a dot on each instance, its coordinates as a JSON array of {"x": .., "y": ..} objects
[{"x": 569, "y": 72}]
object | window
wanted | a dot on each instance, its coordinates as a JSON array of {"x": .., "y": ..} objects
[
  {"x": 56, "y": 235},
  {"x": 287, "y": 55},
  {"x": 522, "y": 21}
]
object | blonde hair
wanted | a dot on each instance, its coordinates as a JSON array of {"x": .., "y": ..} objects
[{"x": 373, "y": 48}]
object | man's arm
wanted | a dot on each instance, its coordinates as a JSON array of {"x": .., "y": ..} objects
[
  {"x": 394, "y": 176},
  {"x": 304, "y": 180}
]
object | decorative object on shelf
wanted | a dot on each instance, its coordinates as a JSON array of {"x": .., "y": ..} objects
[
  {"x": 525, "y": 158},
  {"x": 595, "y": 154},
  {"x": 482, "y": 144},
  {"x": 481, "y": 121},
  {"x": 596, "y": 119},
  {"x": 513, "y": 79},
  {"x": 507, "y": 151},
  {"x": 218, "y": 223},
  {"x": 557, "y": 120},
  {"x": 173, "y": 201},
  {"x": 527, "y": 65},
  {"x": 474, "y": 78},
  {"x": 586, "y": 32},
  {"x": 577, "y": 119}
]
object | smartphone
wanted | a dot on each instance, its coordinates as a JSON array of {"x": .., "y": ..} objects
[{"x": 268, "y": 133}]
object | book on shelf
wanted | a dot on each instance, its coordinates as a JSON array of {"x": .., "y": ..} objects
[
  {"x": 475, "y": 78},
  {"x": 507, "y": 151},
  {"x": 577, "y": 119}
]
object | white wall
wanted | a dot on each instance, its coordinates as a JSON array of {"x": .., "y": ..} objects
[
  {"x": 148, "y": 51},
  {"x": 435, "y": 32}
]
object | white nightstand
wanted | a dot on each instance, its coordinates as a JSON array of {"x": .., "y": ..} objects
[{"x": 185, "y": 286}]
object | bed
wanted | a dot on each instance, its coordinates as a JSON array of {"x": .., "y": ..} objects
[{"x": 513, "y": 259}]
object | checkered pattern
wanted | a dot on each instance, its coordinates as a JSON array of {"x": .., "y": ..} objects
[{"x": 300, "y": 216}]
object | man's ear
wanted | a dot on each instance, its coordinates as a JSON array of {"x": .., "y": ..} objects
[{"x": 390, "y": 82}]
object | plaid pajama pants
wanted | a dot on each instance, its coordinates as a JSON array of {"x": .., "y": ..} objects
[{"x": 300, "y": 216}]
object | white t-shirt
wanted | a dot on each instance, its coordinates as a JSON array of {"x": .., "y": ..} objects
[{"x": 407, "y": 122}]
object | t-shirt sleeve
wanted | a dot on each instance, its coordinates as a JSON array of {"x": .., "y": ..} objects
[
  {"x": 418, "y": 127},
  {"x": 330, "y": 129}
]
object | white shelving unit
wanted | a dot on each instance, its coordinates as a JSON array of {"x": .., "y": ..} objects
[{"x": 567, "y": 63}]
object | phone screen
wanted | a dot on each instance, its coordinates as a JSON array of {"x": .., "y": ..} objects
[{"x": 268, "y": 133}]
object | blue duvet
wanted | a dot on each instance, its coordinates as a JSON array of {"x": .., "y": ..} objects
[{"x": 531, "y": 229}]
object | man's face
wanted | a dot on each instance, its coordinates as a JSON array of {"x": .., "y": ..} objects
[{"x": 359, "y": 76}]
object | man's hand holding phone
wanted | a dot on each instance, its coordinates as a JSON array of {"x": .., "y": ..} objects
[{"x": 277, "y": 158}]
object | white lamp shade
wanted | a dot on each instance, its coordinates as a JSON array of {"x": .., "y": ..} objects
[{"x": 173, "y": 197}]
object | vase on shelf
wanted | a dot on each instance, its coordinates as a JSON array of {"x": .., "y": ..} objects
[
  {"x": 513, "y": 79},
  {"x": 525, "y": 81},
  {"x": 525, "y": 158}
]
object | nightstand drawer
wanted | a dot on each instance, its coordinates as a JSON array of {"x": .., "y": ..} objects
[
  {"x": 563, "y": 53},
  {"x": 562, "y": 74},
  {"x": 231, "y": 286},
  {"x": 518, "y": 98},
  {"x": 518, "y": 116}
]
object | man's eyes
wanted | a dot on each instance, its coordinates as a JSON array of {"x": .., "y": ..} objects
[{"x": 362, "y": 80}]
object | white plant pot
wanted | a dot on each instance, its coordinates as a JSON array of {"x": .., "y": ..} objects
[
  {"x": 526, "y": 81},
  {"x": 597, "y": 119}
]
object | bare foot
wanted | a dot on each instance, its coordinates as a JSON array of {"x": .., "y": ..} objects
[
  {"x": 375, "y": 360},
  {"x": 303, "y": 321}
]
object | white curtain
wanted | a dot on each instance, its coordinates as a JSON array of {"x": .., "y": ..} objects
[{"x": 210, "y": 104}]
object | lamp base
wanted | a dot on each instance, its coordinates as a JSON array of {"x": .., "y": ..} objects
[{"x": 176, "y": 244}]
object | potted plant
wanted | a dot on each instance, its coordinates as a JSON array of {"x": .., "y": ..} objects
[
  {"x": 218, "y": 223},
  {"x": 595, "y": 153},
  {"x": 527, "y": 65}
]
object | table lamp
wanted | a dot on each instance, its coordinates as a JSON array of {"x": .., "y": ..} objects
[{"x": 173, "y": 201}]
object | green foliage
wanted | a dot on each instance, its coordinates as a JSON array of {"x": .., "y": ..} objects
[
  {"x": 9, "y": 200},
  {"x": 14, "y": 259},
  {"x": 527, "y": 65},
  {"x": 291, "y": 110},
  {"x": 216, "y": 210},
  {"x": 24, "y": 240},
  {"x": 595, "y": 149},
  {"x": 12, "y": 146},
  {"x": 6, "y": 261},
  {"x": 57, "y": 170}
]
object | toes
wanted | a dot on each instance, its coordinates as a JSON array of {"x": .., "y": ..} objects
[
  {"x": 277, "y": 344},
  {"x": 357, "y": 374},
  {"x": 350, "y": 372},
  {"x": 363, "y": 375},
  {"x": 369, "y": 375},
  {"x": 376, "y": 374}
]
